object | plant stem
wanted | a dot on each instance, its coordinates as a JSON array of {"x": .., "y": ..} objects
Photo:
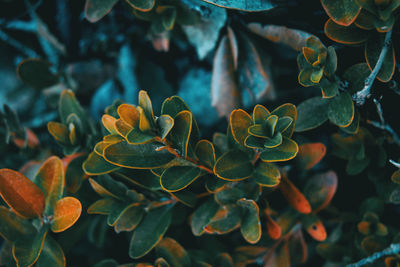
[
  {"x": 366, "y": 91},
  {"x": 394, "y": 163},
  {"x": 177, "y": 155},
  {"x": 391, "y": 250}
]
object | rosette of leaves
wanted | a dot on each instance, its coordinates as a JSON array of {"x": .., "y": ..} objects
[
  {"x": 36, "y": 207},
  {"x": 361, "y": 150},
  {"x": 356, "y": 22},
  {"x": 371, "y": 236},
  {"x": 318, "y": 66},
  {"x": 75, "y": 131},
  {"x": 267, "y": 132}
]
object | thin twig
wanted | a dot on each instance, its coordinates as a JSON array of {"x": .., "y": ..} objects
[
  {"x": 394, "y": 163},
  {"x": 391, "y": 250},
  {"x": 382, "y": 125},
  {"x": 366, "y": 91},
  {"x": 17, "y": 45}
]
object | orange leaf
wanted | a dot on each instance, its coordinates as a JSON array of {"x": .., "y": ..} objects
[
  {"x": 294, "y": 197},
  {"x": 51, "y": 180},
  {"x": 66, "y": 213},
  {"x": 21, "y": 194},
  {"x": 225, "y": 94},
  {"x": 310, "y": 154},
  {"x": 317, "y": 231},
  {"x": 273, "y": 229}
]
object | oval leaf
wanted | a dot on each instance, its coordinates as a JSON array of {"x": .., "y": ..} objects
[
  {"x": 310, "y": 154},
  {"x": 51, "y": 181},
  {"x": 145, "y": 156},
  {"x": 21, "y": 194},
  {"x": 66, "y": 212},
  {"x": 341, "y": 110},
  {"x": 250, "y": 225},
  {"x": 311, "y": 113},
  {"x": 320, "y": 190},
  {"x": 234, "y": 165},
  {"x": 177, "y": 178},
  {"x": 150, "y": 231}
]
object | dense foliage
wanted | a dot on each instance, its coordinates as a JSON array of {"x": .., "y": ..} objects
[{"x": 181, "y": 133}]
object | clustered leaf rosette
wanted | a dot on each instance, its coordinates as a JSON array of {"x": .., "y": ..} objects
[
  {"x": 318, "y": 66},
  {"x": 37, "y": 206},
  {"x": 75, "y": 131},
  {"x": 268, "y": 132},
  {"x": 356, "y": 22},
  {"x": 371, "y": 235}
]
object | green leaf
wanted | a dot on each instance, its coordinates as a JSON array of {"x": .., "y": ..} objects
[
  {"x": 142, "y": 178},
  {"x": 26, "y": 250},
  {"x": 270, "y": 124},
  {"x": 328, "y": 89},
  {"x": 144, "y": 156},
  {"x": 52, "y": 254},
  {"x": 251, "y": 225},
  {"x": 186, "y": 197},
  {"x": 343, "y": 12},
  {"x": 341, "y": 110},
  {"x": 59, "y": 131},
  {"x": 36, "y": 73},
  {"x": 288, "y": 110},
  {"x": 331, "y": 62},
  {"x": 177, "y": 178},
  {"x": 129, "y": 218},
  {"x": 137, "y": 137},
  {"x": 173, "y": 105},
  {"x": 373, "y": 49},
  {"x": 283, "y": 124},
  {"x": 229, "y": 196},
  {"x": 311, "y": 113},
  {"x": 181, "y": 131},
  {"x": 205, "y": 152},
  {"x": 75, "y": 174},
  {"x": 356, "y": 75},
  {"x": 150, "y": 231},
  {"x": 254, "y": 142},
  {"x": 239, "y": 122},
  {"x": 12, "y": 226},
  {"x": 226, "y": 223},
  {"x": 69, "y": 105},
  {"x": 165, "y": 123},
  {"x": 50, "y": 179},
  {"x": 260, "y": 113},
  {"x": 202, "y": 216},
  {"x": 233, "y": 165},
  {"x": 286, "y": 151},
  {"x": 173, "y": 253},
  {"x": 266, "y": 174},
  {"x": 97, "y": 165},
  {"x": 257, "y": 130},
  {"x": 213, "y": 184},
  {"x": 144, "y": 99},
  {"x": 103, "y": 206},
  {"x": 274, "y": 141},
  {"x": 355, "y": 124},
  {"x": 97, "y": 9},
  {"x": 142, "y": 5},
  {"x": 345, "y": 34},
  {"x": 244, "y": 5}
]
